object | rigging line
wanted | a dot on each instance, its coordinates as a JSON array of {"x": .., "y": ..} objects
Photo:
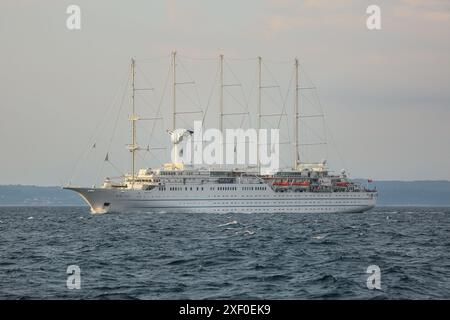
[
  {"x": 116, "y": 168},
  {"x": 312, "y": 144},
  {"x": 148, "y": 82},
  {"x": 269, "y": 124},
  {"x": 163, "y": 94},
  {"x": 271, "y": 98},
  {"x": 184, "y": 123},
  {"x": 333, "y": 142},
  {"x": 236, "y": 99},
  {"x": 285, "y": 106},
  {"x": 154, "y": 155},
  {"x": 192, "y": 79},
  {"x": 242, "y": 59},
  {"x": 146, "y": 102},
  {"x": 147, "y": 132},
  {"x": 319, "y": 102},
  {"x": 114, "y": 128},
  {"x": 312, "y": 104},
  {"x": 140, "y": 156},
  {"x": 189, "y": 98},
  {"x": 92, "y": 142},
  {"x": 283, "y": 111},
  {"x": 252, "y": 89},
  {"x": 278, "y": 61},
  {"x": 318, "y": 106},
  {"x": 211, "y": 93},
  {"x": 323, "y": 125},
  {"x": 234, "y": 74},
  {"x": 195, "y": 58},
  {"x": 148, "y": 59},
  {"x": 97, "y": 128},
  {"x": 275, "y": 80},
  {"x": 246, "y": 100},
  {"x": 142, "y": 73},
  {"x": 315, "y": 91},
  {"x": 314, "y": 132}
]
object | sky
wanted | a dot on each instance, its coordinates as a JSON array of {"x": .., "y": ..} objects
[{"x": 385, "y": 93}]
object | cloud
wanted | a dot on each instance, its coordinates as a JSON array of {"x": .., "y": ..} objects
[
  {"x": 426, "y": 10},
  {"x": 285, "y": 15}
]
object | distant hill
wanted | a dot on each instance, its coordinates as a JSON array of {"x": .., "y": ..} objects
[
  {"x": 421, "y": 193},
  {"x": 19, "y": 195},
  {"x": 435, "y": 193}
]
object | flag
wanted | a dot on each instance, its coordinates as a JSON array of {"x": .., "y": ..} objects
[{"x": 107, "y": 157}]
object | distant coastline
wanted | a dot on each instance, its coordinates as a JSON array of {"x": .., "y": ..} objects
[
  {"x": 31, "y": 195},
  {"x": 391, "y": 193}
]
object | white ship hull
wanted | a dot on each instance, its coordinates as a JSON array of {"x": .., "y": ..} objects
[{"x": 223, "y": 199}]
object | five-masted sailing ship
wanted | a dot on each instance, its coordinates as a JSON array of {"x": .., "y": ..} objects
[{"x": 183, "y": 188}]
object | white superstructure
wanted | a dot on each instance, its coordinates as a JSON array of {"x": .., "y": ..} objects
[{"x": 190, "y": 191}]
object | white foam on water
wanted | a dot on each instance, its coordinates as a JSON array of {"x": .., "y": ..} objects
[{"x": 228, "y": 223}]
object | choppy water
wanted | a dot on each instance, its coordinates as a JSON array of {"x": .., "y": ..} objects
[{"x": 231, "y": 256}]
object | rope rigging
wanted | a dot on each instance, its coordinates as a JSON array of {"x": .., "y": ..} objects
[{"x": 242, "y": 99}]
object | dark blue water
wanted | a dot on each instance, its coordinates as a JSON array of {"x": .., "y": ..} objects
[{"x": 231, "y": 256}]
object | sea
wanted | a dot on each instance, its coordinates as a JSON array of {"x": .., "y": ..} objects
[{"x": 386, "y": 253}]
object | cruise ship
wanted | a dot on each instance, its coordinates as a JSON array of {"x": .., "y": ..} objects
[{"x": 178, "y": 187}]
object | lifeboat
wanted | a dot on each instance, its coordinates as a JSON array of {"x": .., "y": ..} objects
[
  {"x": 301, "y": 183},
  {"x": 280, "y": 183},
  {"x": 342, "y": 183}
]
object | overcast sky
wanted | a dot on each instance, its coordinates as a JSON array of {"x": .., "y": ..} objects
[{"x": 385, "y": 93}]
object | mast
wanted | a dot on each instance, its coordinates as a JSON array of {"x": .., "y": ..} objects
[
  {"x": 296, "y": 118},
  {"x": 221, "y": 94},
  {"x": 174, "y": 110},
  {"x": 258, "y": 115},
  {"x": 174, "y": 96},
  {"x": 133, "y": 124},
  {"x": 221, "y": 102}
]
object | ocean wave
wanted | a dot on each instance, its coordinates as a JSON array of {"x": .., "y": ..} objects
[{"x": 287, "y": 256}]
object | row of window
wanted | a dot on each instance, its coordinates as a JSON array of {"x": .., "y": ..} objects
[
  {"x": 253, "y": 188},
  {"x": 317, "y": 209},
  {"x": 162, "y": 188},
  {"x": 226, "y": 188},
  {"x": 181, "y": 188}
]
